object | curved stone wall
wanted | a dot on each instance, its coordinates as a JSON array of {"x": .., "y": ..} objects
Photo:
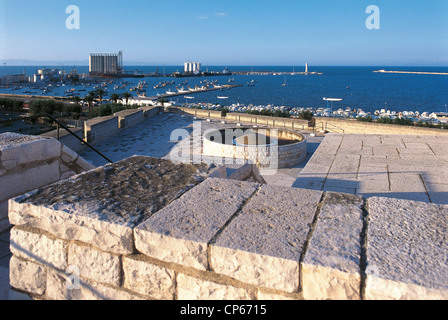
[{"x": 281, "y": 148}]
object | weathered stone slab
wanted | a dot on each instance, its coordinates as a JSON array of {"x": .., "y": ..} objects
[
  {"x": 189, "y": 288},
  {"x": 331, "y": 268},
  {"x": 263, "y": 244},
  {"x": 406, "y": 250},
  {"x": 102, "y": 206},
  {"x": 38, "y": 247},
  {"x": 17, "y": 149},
  {"x": 19, "y": 182},
  {"x": 27, "y": 276},
  {"x": 143, "y": 277},
  {"x": 181, "y": 231},
  {"x": 73, "y": 225}
]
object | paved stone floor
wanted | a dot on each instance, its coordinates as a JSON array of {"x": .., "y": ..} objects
[
  {"x": 394, "y": 166},
  {"x": 149, "y": 138}
]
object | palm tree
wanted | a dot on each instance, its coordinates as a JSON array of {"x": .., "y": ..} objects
[
  {"x": 89, "y": 99},
  {"x": 126, "y": 96},
  {"x": 100, "y": 93},
  {"x": 114, "y": 97},
  {"x": 76, "y": 100}
]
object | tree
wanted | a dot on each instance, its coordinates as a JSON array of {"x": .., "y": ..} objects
[
  {"x": 126, "y": 96},
  {"x": 114, "y": 97},
  {"x": 307, "y": 115},
  {"x": 89, "y": 99},
  {"x": 100, "y": 93},
  {"x": 43, "y": 107}
]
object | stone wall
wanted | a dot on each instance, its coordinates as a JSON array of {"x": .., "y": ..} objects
[
  {"x": 29, "y": 162},
  {"x": 273, "y": 157},
  {"x": 273, "y": 122},
  {"x": 101, "y": 128},
  {"x": 336, "y": 125},
  {"x": 220, "y": 239},
  {"x": 129, "y": 118},
  {"x": 200, "y": 113}
]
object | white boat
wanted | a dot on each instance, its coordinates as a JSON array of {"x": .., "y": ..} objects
[
  {"x": 171, "y": 92},
  {"x": 181, "y": 90}
]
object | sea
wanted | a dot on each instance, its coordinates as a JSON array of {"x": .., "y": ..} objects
[{"x": 358, "y": 87}]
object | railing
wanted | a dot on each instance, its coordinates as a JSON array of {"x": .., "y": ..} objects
[
  {"x": 80, "y": 139},
  {"x": 326, "y": 125}
]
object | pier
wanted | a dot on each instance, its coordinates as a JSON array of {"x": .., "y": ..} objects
[
  {"x": 182, "y": 93},
  {"x": 412, "y": 72},
  {"x": 273, "y": 73}
]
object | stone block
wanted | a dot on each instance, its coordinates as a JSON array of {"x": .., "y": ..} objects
[
  {"x": 73, "y": 224},
  {"x": 27, "y": 276},
  {"x": 95, "y": 265},
  {"x": 21, "y": 150},
  {"x": 406, "y": 250},
  {"x": 20, "y": 182},
  {"x": 68, "y": 155},
  {"x": 145, "y": 278},
  {"x": 61, "y": 287},
  {"x": 264, "y": 243},
  {"x": 101, "y": 207},
  {"x": 406, "y": 182},
  {"x": 331, "y": 268},
  {"x": 189, "y": 288},
  {"x": 41, "y": 248},
  {"x": 181, "y": 231}
]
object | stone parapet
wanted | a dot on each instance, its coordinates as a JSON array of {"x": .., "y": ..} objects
[
  {"x": 30, "y": 162},
  {"x": 220, "y": 239}
]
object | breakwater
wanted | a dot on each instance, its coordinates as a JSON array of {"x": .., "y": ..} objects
[{"x": 412, "y": 72}]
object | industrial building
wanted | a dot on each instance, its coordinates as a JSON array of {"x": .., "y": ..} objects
[
  {"x": 13, "y": 79},
  {"x": 104, "y": 64},
  {"x": 192, "y": 68}
]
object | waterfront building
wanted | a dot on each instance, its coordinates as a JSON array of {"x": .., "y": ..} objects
[
  {"x": 192, "y": 67},
  {"x": 106, "y": 63},
  {"x": 12, "y": 79}
]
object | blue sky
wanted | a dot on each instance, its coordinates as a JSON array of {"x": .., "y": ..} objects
[{"x": 229, "y": 32}]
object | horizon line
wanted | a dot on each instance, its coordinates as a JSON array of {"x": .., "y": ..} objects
[{"x": 142, "y": 64}]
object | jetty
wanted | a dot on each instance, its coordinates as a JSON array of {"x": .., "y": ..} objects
[
  {"x": 273, "y": 73},
  {"x": 412, "y": 72},
  {"x": 183, "y": 93}
]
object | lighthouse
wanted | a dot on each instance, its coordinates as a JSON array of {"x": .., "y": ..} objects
[{"x": 306, "y": 68}]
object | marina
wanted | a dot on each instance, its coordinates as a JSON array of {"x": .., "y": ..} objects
[{"x": 357, "y": 88}]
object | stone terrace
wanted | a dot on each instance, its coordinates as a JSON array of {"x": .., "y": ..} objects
[
  {"x": 224, "y": 239},
  {"x": 396, "y": 166}
]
